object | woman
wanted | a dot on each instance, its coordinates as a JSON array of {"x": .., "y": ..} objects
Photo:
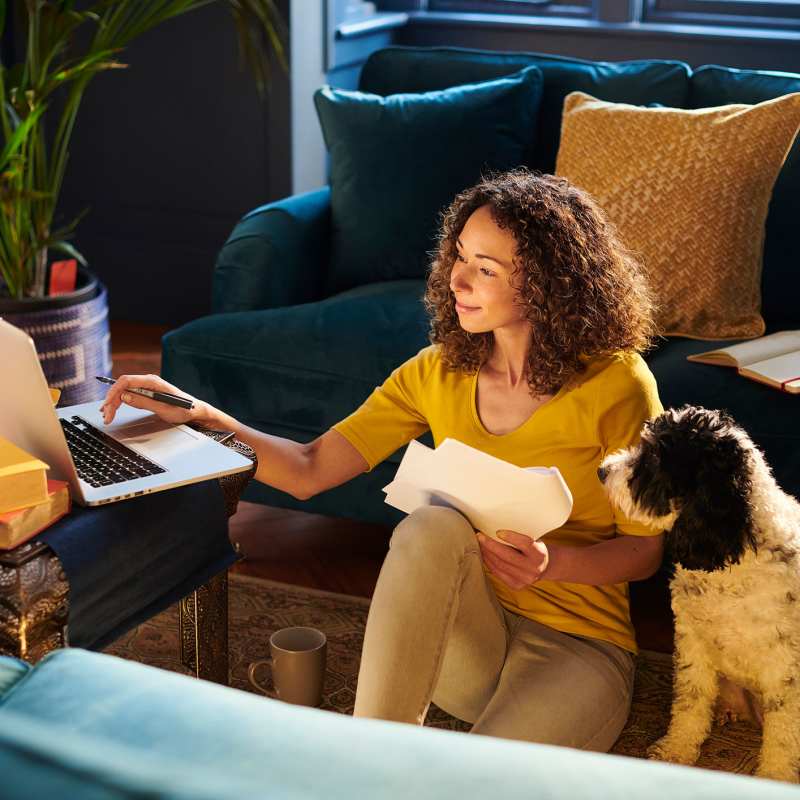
[{"x": 538, "y": 316}]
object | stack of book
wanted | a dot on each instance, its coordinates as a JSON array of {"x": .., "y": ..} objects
[{"x": 29, "y": 502}]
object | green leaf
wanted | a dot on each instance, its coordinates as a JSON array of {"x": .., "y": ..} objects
[
  {"x": 19, "y": 136},
  {"x": 68, "y": 249}
]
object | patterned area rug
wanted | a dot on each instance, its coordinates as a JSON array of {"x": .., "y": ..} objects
[{"x": 259, "y": 607}]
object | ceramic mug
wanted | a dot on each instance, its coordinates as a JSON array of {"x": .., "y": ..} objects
[{"x": 298, "y": 665}]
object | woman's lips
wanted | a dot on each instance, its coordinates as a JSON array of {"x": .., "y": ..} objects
[{"x": 466, "y": 309}]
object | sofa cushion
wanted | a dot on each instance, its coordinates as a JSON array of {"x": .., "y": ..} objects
[
  {"x": 769, "y": 416},
  {"x": 688, "y": 191},
  {"x": 301, "y": 368},
  {"x": 715, "y": 86},
  {"x": 420, "y": 69},
  {"x": 94, "y": 726},
  {"x": 397, "y": 161}
]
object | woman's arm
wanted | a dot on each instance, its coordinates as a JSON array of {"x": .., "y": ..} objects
[
  {"x": 625, "y": 558},
  {"x": 301, "y": 470}
]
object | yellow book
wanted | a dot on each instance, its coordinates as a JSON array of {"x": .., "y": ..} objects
[
  {"x": 18, "y": 526},
  {"x": 23, "y": 478}
]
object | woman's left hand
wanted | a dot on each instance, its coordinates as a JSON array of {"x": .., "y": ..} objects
[{"x": 518, "y": 566}]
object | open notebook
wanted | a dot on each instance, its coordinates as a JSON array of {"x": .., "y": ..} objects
[
  {"x": 491, "y": 493},
  {"x": 773, "y": 359}
]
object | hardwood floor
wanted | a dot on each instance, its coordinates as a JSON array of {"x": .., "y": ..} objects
[{"x": 339, "y": 555}]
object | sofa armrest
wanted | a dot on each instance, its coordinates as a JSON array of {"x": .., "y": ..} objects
[
  {"x": 92, "y": 725},
  {"x": 277, "y": 255}
]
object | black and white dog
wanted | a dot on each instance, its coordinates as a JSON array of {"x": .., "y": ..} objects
[{"x": 734, "y": 537}]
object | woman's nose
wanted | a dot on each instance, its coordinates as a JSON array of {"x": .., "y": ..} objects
[{"x": 457, "y": 281}]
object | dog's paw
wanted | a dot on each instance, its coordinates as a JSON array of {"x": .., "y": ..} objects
[{"x": 667, "y": 750}]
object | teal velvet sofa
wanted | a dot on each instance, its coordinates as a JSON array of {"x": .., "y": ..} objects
[
  {"x": 288, "y": 351},
  {"x": 94, "y": 727}
]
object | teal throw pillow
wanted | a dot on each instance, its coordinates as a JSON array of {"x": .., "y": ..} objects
[{"x": 396, "y": 162}]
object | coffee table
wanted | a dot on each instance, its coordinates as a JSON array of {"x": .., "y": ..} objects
[{"x": 35, "y": 594}]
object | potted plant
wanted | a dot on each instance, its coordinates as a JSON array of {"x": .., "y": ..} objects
[{"x": 66, "y": 44}]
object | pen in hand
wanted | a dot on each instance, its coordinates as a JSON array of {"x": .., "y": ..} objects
[{"x": 162, "y": 397}]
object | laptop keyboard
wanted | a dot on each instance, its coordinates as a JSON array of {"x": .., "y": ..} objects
[{"x": 100, "y": 459}]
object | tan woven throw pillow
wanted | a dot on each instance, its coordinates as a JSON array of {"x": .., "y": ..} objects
[{"x": 688, "y": 191}]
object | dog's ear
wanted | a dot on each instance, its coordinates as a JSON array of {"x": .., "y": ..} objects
[
  {"x": 650, "y": 485},
  {"x": 715, "y": 525}
]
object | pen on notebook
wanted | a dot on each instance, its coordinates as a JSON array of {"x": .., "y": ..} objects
[{"x": 162, "y": 397}]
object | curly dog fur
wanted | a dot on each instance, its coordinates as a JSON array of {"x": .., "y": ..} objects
[{"x": 734, "y": 538}]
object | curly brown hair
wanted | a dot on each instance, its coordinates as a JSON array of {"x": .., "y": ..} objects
[{"x": 585, "y": 294}]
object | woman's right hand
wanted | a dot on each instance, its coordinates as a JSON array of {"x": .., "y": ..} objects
[{"x": 117, "y": 395}]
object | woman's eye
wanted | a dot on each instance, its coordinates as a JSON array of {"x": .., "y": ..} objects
[{"x": 487, "y": 272}]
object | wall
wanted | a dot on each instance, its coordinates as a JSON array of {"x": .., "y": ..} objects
[
  {"x": 168, "y": 154},
  {"x": 308, "y": 33},
  {"x": 323, "y": 55}
]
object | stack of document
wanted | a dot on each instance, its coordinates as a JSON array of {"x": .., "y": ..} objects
[{"x": 491, "y": 493}]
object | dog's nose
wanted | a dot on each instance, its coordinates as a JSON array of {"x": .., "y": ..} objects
[{"x": 601, "y": 473}]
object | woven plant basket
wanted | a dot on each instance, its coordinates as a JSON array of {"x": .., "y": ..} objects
[{"x": 71, "y": 335}]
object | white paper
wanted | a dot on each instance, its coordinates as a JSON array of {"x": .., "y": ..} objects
[
  {"x": 779, "y": 369},
  {"x": 491, "y": 493}
]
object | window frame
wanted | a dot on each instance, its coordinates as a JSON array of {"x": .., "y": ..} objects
[
  {"x": 761, "y": 13},
  {"x": 584, "y": 9}
]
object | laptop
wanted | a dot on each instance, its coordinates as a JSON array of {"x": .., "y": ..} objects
[{"x": 136, "y": 454}]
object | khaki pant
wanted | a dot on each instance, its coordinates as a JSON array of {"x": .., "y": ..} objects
[{"x": 436, "y": 632}]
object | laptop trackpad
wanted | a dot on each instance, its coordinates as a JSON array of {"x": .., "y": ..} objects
[{"x": 155, "y": 439}]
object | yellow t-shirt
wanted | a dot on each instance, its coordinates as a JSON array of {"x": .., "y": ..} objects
[{"x": 602, "y": 411}]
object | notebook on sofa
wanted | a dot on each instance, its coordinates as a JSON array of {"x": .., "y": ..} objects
[{"x": 773, "y": 360}]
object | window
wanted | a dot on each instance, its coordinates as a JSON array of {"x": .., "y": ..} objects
[
  {"x": 750, "y": 13},
  {"x": 561, "y": 8},
  {"x": 777, "y": 14}
]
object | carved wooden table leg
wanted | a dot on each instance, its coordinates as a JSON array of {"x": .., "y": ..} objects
[
  {"x": 33, "y": 602},
  {"x": 204, "y": 630},
  {"x": 204, "y": 613}
]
